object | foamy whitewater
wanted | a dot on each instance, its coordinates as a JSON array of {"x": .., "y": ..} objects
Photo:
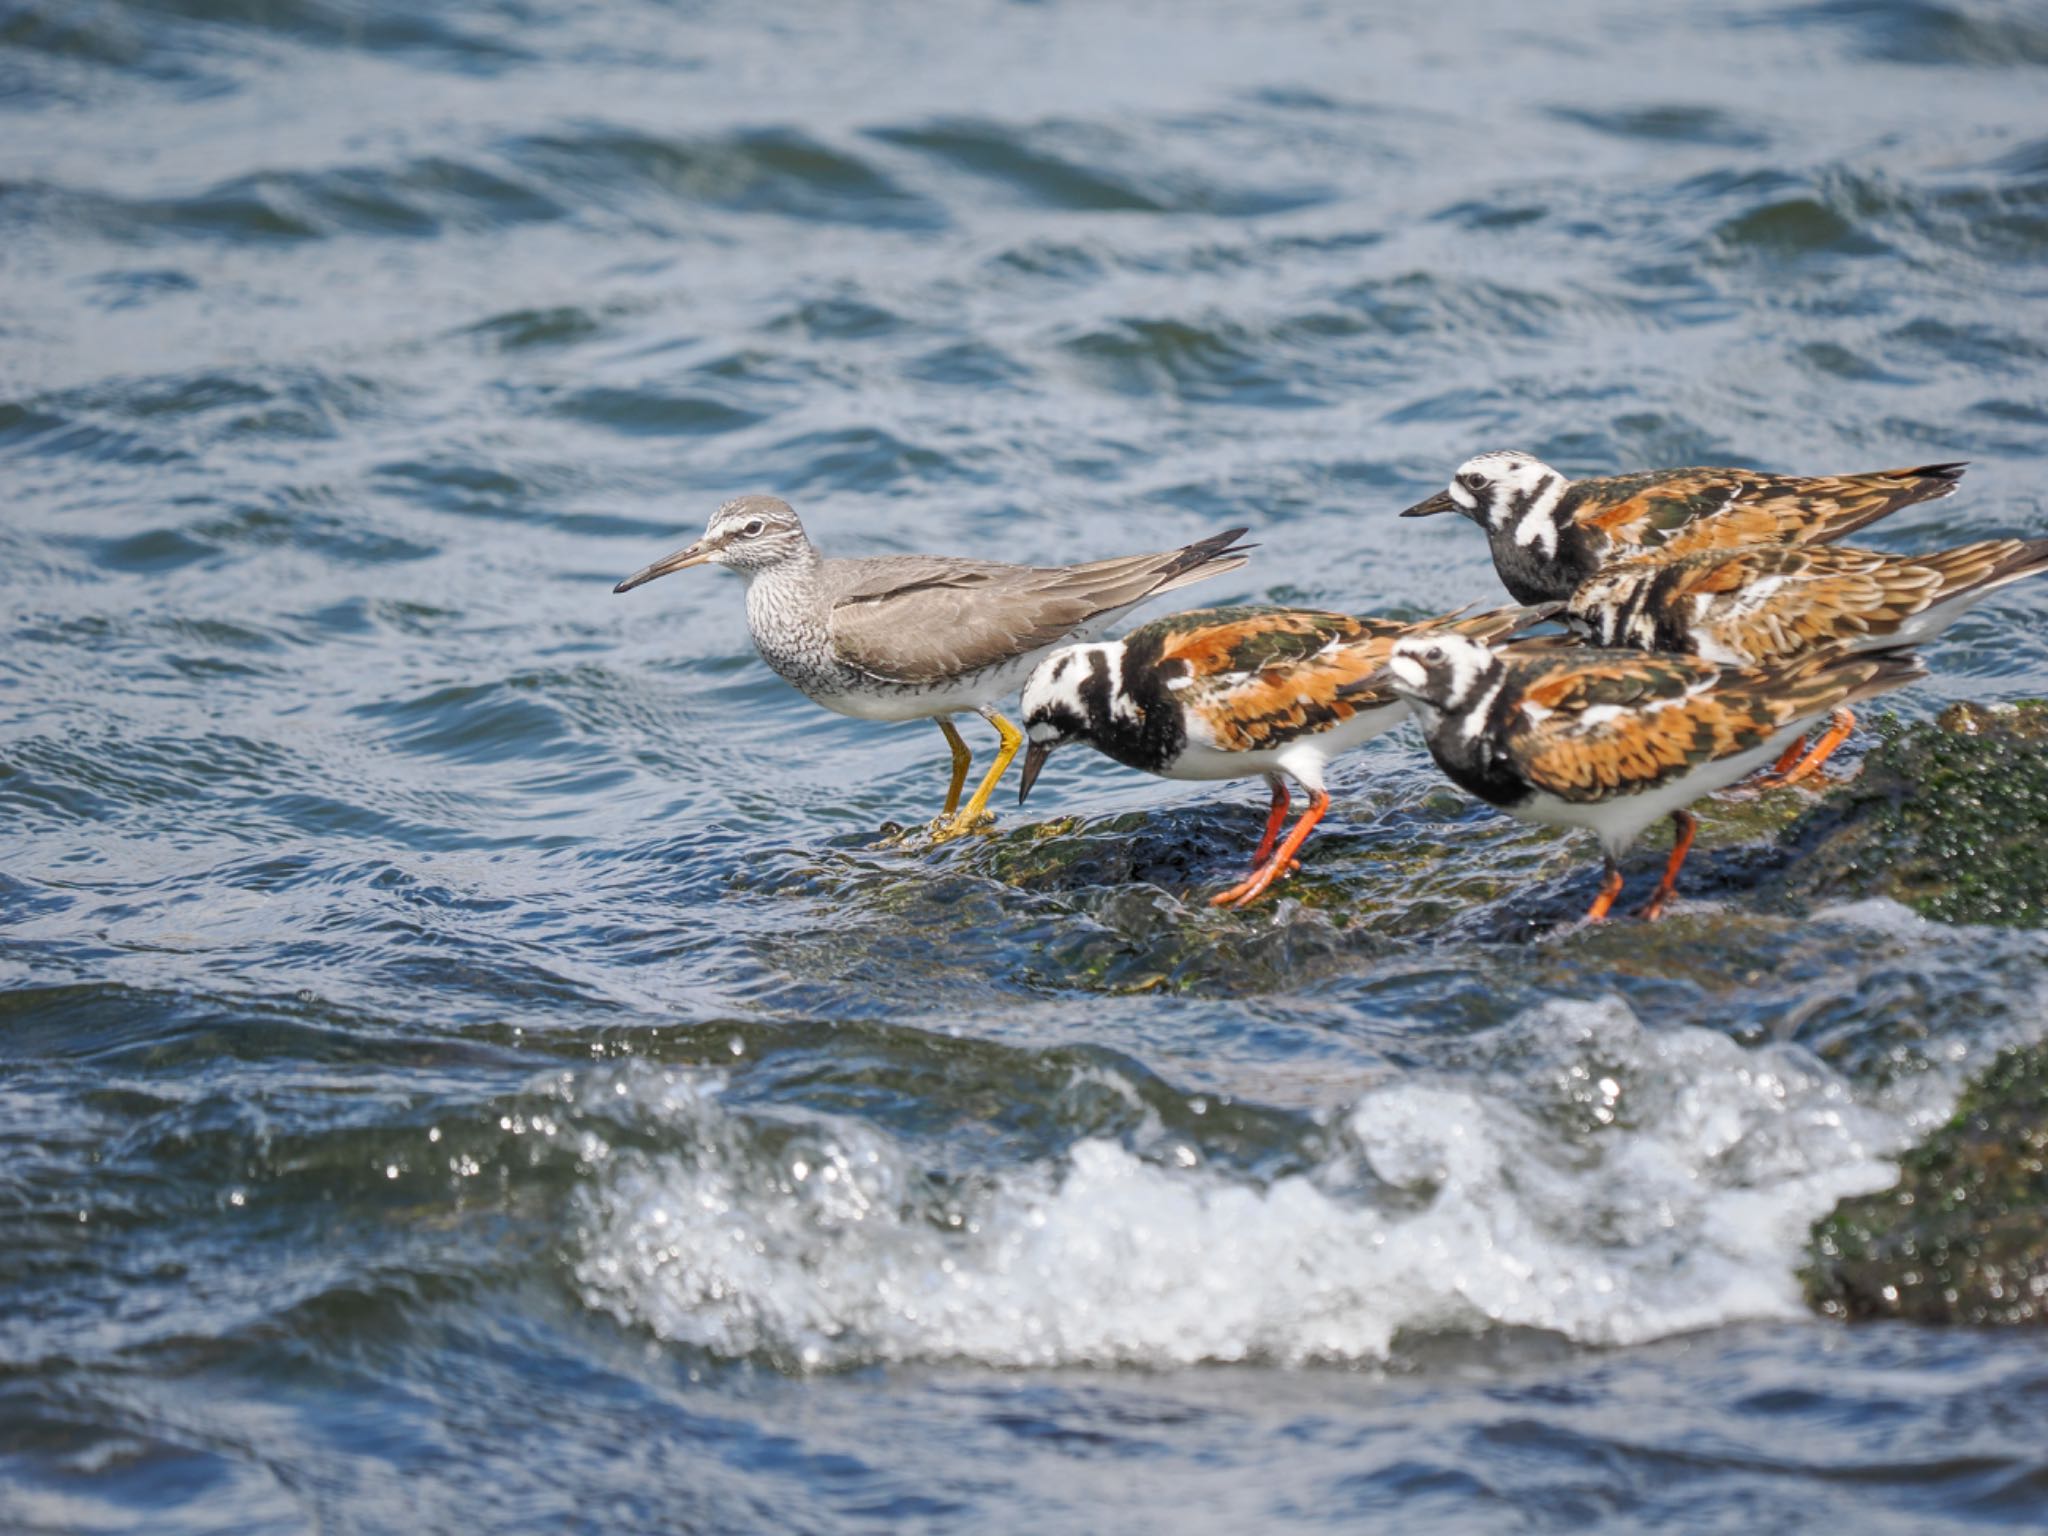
[{"x": 1585, "y": 1175}]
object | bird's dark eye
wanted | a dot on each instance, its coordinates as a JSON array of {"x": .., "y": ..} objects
[
  {"x": 1474, "y": 481},
  {"x": 753, "y": 527},
  {"x": 1433, "y": 655}
]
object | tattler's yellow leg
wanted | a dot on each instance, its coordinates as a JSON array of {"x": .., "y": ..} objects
[
  {"x": 961, "y": 759},
  {"x": 977, "y": 806}
]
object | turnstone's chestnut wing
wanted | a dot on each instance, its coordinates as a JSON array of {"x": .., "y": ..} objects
[
  {"x": 1615, "y": 723},
  {"x": 1682, "y": 511},
  {"x": 1254, "y": 679},
  {"x": 1257, "y": 678},
  {"x": 1755, "y": 607},
  {"x": 1225, "y": 643}
]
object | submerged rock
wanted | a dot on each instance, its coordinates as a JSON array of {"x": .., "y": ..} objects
[
  {"x": 1963, "y": 1236},
  {"x": 1946, "y": 818}
]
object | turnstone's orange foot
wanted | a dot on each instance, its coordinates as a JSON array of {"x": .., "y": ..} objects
[
  {"x": 923, "y": 637},
  {"x": 1610, "y": 887},
  {"x": 1806, "y": 766},
  {"x": 1228, "y": 693},
  {"x": 1683, "y": 825},
  {"x": 1816, "y": 781},
  {"x": 1549, "y": 534},
  {"x": 1615, "y": 740},
  {"x": 1282, "y": 862}
]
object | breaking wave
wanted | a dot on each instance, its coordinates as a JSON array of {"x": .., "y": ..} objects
[{"x": 1602, "y": 1181}]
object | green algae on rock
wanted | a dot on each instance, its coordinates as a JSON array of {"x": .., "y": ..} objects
[
  {"x": 1946, "y": 818},
  {"x": 1960, "y": 1238}
]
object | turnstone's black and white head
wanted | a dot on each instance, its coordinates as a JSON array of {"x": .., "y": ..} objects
[
  {"x": 1442, "y": 674},
  {"x": 1075, "y": 694},
  {"x": 750, "y": 535},
  {"x": 1522, "y": 505},
  {"x": 1498, "y": 490}
]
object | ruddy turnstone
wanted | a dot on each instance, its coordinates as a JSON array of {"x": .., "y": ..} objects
[
  {"x": 1613, "y": 740},
  {"x": 1766, "y": 605},
  {"x": 1233, "y": 693},
  {"x": 922, "y": 637},
  {"x": 1548, "y": 534}
]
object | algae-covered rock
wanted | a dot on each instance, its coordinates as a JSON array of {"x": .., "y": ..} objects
[
  {"x": 1962, "y": 1237},
  {"x": 1950, "y": 818}
]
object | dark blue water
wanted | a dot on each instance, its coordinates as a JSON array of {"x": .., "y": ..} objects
[{"x": 466, "y": 1063}]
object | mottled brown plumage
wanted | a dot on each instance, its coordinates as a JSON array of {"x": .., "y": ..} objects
[
  {"x": 1605, "y": 723},
  {"x": 1753, "y": 607},
  {"x": 1257, "y": 678},
  {"x": 1685, "y": 511},
  {"x": 1548, "y": 534}
]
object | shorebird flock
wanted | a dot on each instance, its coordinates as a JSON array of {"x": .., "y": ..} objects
[{"x": 1673, "y": 632}]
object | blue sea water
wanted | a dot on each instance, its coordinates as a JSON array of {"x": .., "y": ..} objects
[{"x": 467, "y": 1062}]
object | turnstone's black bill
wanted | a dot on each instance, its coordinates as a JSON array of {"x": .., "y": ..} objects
[
  {"x": 1548, "y": 534},
  {"x": 1614, "y": 740},
  {"x": 922, "y": 637},
  {"x": 1762, "y": 606},
  {"x": 1233, "y": 693}
]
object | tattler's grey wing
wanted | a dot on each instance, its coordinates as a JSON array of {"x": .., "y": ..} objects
[{"x": 922, "y": 620}]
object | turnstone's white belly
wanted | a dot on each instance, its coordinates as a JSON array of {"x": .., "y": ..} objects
[
  {"x": 1620, "y": 820},
  {"x": 1303, "y": 757},
  {"x": 1197, "y": 763}
]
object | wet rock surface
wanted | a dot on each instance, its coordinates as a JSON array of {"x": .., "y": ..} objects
[
  {"x": 1947, "y": 818},
  {"x": 1963, "y": 1237}
]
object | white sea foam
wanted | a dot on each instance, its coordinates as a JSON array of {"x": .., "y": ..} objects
[{"x": 1582, "y": 1175}]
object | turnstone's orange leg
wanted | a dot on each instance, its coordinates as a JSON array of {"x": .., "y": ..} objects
[
  {"x": 976, "y": 808},
  {"x": 961, "y": 759},
  {"x": 1273, "y": 820},
  {"x": 1247, "y": 891},
  {"x": 1609, "y": 889},
  {"x": 1686, "y": 824},
  {"x": 1838, "y": 732},
  {"x": 1786, "y": 759}
]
